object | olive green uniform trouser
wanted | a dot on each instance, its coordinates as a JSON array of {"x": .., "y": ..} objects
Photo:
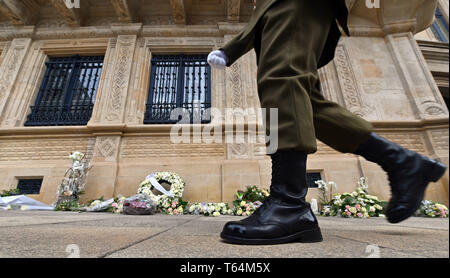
[{"x": 289, "y": 40}]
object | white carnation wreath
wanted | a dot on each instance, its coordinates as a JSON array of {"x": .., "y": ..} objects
[{"x": 176, "y": 187}]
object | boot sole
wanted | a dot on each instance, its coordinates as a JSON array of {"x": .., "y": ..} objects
[
  {"x": 307, "y": 236},
  {"x": 437, "y": 170}
]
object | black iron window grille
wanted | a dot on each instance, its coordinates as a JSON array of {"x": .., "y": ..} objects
[
  {"x": 181, "y": 82},
  {"x": 311, "y": 179},
  {"x": 30, "y": 186},
  {"x": 67, "y": 93}
]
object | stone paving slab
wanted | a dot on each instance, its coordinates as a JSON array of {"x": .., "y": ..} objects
[{"x": 48, "y": 234}]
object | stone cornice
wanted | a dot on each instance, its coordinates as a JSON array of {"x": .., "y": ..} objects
[
  {"x": 96, "y": 129},
  {"x": 222, "y": 28}
]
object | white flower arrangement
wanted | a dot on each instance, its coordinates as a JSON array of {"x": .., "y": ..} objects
[
  {"x": 73, "y": 184},
  {"x": 326, "y": 190},
  {"x": 176, "y": 187},
  {"x": 210, "y": 209}
]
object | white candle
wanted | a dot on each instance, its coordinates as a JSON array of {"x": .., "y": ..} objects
[{"x": 314, "y": 206}]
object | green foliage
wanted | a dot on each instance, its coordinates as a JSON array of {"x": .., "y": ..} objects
[
  {"x": 68, "y": 205},
  {"x": 252, "y": 194},
  {"x": 11, "y": 192}
]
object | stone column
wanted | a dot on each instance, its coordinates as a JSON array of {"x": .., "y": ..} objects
[
  {"x": 113, "y": 90},
  {"x": 417, "y": 80},
  {"x": 10, "y": 68},
  {"x": 109, "y": 111}
]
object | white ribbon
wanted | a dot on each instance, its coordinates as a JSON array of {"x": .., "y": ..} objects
[{"x": 158, "y": 186}]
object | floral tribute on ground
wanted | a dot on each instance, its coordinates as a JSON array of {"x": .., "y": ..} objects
[
  {"x": 152, "y": 198},
  {"x": 73, "y": 184},
  {"x": 358, "y": 204},
  {"x": 168, "y": 202},
  {"x": 432, "y": 209},
  {"x": 246, "y": 202}
]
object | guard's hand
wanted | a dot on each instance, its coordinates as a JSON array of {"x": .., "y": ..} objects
[{"x": 217, "y": 59}]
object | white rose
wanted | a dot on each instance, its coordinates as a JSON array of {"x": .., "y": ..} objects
[{"x": 211, "y": 209}]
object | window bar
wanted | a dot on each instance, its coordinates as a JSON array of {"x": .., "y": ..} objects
[
  {"x": 85, "y": 108},
  {"x": 187, "y": 87},
  {"x": 157, "y": 91},
  {"x": 73, "y": 104},
  {"x": 181, "y": 83},
  {"x": 207, "y": 95},
  {"x": 56, "y": 93},
  {"x": 150, "y": 101},
  {"x": 49, "y": 107},
  {"x": 167, "y": 83},
  {"x": 199, "y": 93},
  {"x": 69, "y": 89},
  {"x": 173, "y": 98}
]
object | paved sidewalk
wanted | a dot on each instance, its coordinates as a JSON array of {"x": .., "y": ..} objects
[{"x": 51, "y": 234}]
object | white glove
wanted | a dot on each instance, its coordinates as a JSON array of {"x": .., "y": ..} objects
[{"x": 217, "y": 59}]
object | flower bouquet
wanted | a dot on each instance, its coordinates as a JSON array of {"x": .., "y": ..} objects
[
  {"x": 432, "y": 209},
  {"x": 114, "y": 205},
  {"x": 358, "y": 204},
  {"x": 172, "y": 206},
  {"x": 140, "y": 204},
  {"x": 246, "y": 202},
  {"x": 210, "y": 209},
  {"x": 244, "y": 208}
]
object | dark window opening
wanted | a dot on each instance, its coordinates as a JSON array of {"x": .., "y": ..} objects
[
  {"x": 311, "y": 179},
  {"x": 181, "y": 82},
  {"x": 29, "y": 186},
  {"x": 67, "y": 93}
]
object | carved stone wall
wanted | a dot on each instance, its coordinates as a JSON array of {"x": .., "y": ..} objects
[
  {"x": 115, "y": 106},
  {"x": 9, "y": 70},
  {"x": 40, "y": 149}
]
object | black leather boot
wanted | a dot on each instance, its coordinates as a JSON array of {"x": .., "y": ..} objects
[
  {"x": 409, "y": 174},
  {"x": 284, "y": 216}
]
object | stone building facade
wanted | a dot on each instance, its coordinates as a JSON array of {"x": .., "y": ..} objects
[{"x": 393, "y": 71}]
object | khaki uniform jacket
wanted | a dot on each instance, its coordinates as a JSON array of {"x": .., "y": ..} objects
[{"x": 244, "y": 41}]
